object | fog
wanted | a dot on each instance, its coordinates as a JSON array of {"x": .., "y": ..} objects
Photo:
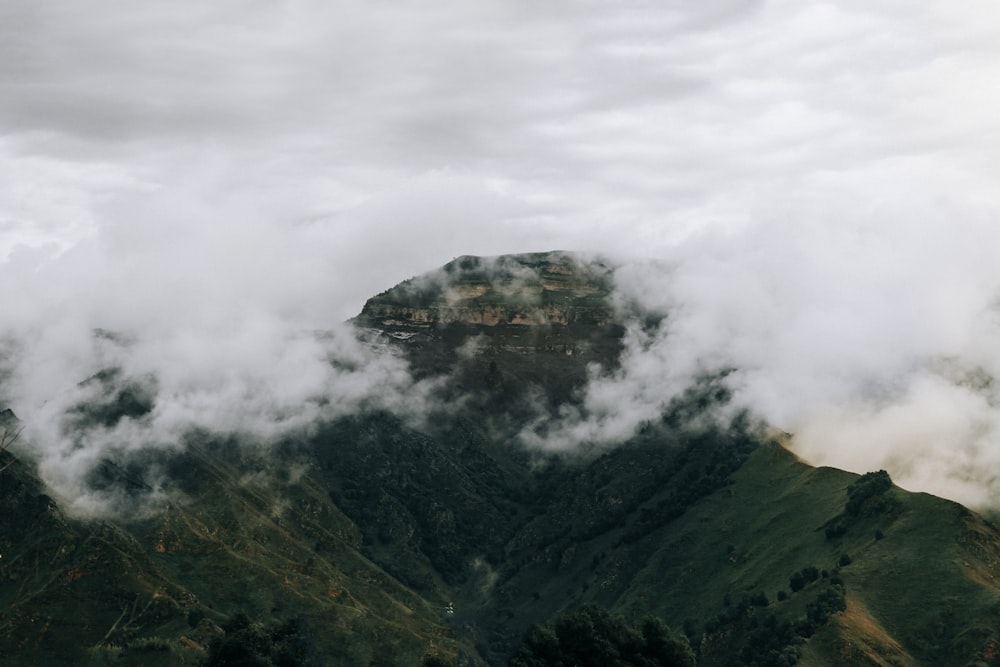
[
  {"x": 875, "y": 348},
  {"x": 806, "y": 190}
]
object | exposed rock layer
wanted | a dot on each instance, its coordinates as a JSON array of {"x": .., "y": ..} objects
[{"x": 553, "y": 288}]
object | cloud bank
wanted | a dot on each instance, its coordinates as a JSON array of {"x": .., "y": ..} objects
[
  {"x": 223, "y": 326},
  {"x": 876, "y": 346},
  {"x": 816, "y": 182}
]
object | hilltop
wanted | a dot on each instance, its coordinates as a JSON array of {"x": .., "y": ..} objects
[{"x": 538, "y": 289}]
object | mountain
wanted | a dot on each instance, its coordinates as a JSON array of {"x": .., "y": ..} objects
[
  {"x": 527, "y": 320},
  {"x": 374, "y": 540}
]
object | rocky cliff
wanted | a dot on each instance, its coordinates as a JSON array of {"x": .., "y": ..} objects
[
  {"x": 511, "y": 322},
  {"x": 552, "y": 288}
]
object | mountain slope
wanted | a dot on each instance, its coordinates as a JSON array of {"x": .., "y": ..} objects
[
  {"x": 247, "y": 536},
  {"x": 921, "y": 575},
  {"x": 375, "y": 540}
]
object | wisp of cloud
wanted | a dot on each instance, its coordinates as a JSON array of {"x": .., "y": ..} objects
[
  {"x": 208, "y": 186},
  {"x": 877, "y": 345}
]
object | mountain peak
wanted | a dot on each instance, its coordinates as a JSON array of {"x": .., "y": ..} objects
[
  {"x": 524, "y": 290},
  {"x": 536, "y": 319}
]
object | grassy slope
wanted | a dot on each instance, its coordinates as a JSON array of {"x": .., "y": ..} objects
[
  {"x": 266, "y": 544},
  {"x": 746, "y": 538},
  {"x": 932, "y": 584},
  {"x": 927, "y": 593},
  {"x": 924, "y": 594},
  {"x": 64, "y": 585},
  {"x": 271, "y": 544},
  {"x": 456, "y": 514}
]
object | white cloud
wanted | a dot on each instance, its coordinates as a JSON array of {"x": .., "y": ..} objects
[
  {"x": 215, "y": 180},
  {"x": 875, "y": 342}
]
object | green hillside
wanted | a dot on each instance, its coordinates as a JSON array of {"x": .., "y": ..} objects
[
  {"x": 370, "y": 541},
  {"x": 245, "y": 536}
]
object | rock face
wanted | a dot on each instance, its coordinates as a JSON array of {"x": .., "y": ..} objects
[
  {"x": 515, "y": 321},
  {"x": 553, "y": 288}
]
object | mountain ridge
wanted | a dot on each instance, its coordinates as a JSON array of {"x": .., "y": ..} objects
[
  {"x": 367, "y": 539},
  {"x": 546, "y": 288}
]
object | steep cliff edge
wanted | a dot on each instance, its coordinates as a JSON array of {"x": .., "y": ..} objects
[
  {"x": 537, "y": 289},
  {"x": 505, "y": 324}
]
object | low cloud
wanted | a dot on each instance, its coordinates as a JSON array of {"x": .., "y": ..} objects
[
  {"x": 876, "y": 345},
  {"x": 128, "y": 341},
  {"x": 259, "y": 384},
  {"x": 816, "y": 182}
]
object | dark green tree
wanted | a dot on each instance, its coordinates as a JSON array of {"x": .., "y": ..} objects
[
  {"x": 593, "y": 637},
  {"x": 866, "y": 496},
  {"x": 248, "y": 644},
  {"x": 662, "y": 647}
]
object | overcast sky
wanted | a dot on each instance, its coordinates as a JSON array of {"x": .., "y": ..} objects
[
  {"x": 388, "y": 137},
  {"x": 824, "y": 174}
]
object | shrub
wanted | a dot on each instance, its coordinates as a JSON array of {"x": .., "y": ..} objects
[
  {"x": 594, "y": 637},
  {"x": 251, "y": 644},
  {"x": 661, "y": 647},
  {"x": 864, "y": 497},
  {"x": 771, "y": 642},
  {"x": 836, "y": 528},
  {"x": 826, "y": 605},
  {"x": 150, "y": 645}
]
